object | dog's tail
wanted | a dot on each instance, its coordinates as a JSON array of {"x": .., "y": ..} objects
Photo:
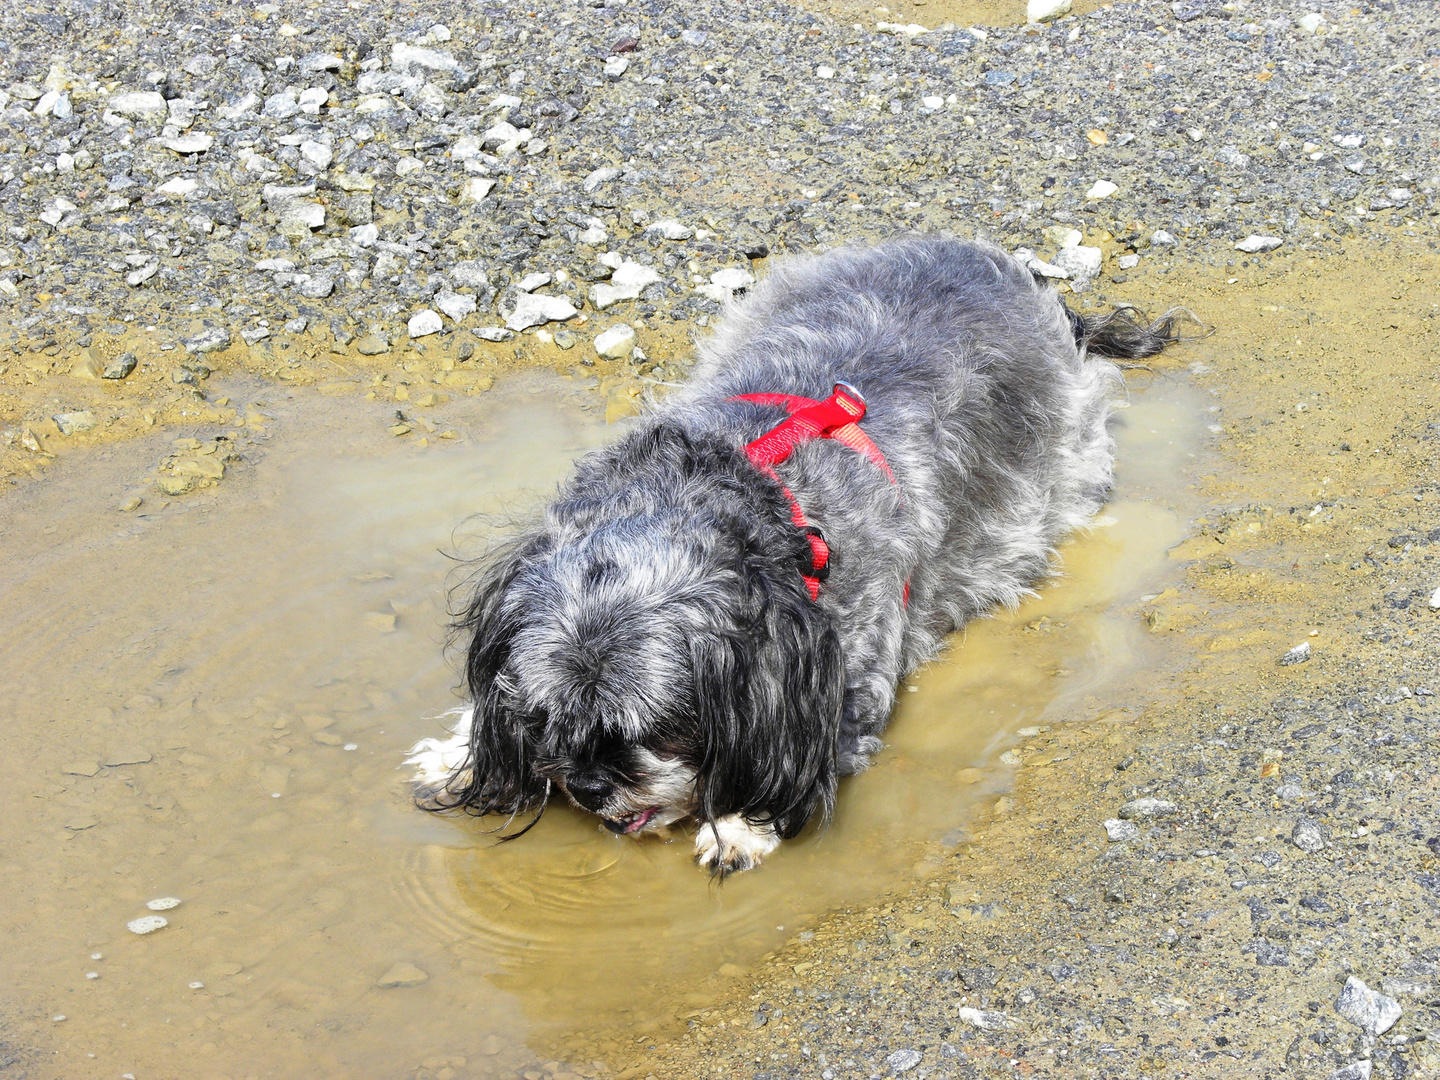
[{"x": 1124, "y": 334}]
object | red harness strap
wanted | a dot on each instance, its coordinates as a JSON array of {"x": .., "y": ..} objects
[{"x": 834, "y": 418}]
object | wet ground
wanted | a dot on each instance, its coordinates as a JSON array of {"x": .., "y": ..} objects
[{"x": 209, "y": 697}]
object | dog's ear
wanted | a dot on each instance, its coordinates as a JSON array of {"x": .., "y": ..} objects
[
  {"x": 768, "y": 698},
  {"x": 497, "y": 777}
]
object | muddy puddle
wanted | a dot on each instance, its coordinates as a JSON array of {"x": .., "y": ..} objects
[{"x": 208, "y": 699}]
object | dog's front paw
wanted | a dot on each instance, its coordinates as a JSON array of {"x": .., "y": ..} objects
[{"x": 731, "y": 843}]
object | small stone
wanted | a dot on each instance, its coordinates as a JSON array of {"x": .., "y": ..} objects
[
  {"x": 470, "y": 274},
  {"x": 596, "y": 177},
  {"x": 1310, "y": 22},
  {"x": 145, "y": 105},
  {"x": 535, "y": 309},
  {"x": 1128, "y": 262},
  {"x": 902, "y": 1061},
  {"x": 564, "y": 339},
  {"x": 372, "y": 345},
  {"x": 316, "y": 154},
  {"x": 1308, "y": 835},
  {"x": 627, "y": 282},
  {"x": 189, "y": 144},
  {"x": 1118, "y": 830},
  {"x": 402, "y": 974},
  {"x": 1367, "y": 1009},
  {"x": 147, "y": 924},
  {"x": 824, "y": 71},
  {"x": 120, "y": 367},
  {"x": 163, "y": 903},
  {"x": 1161, "y": 238},
  {"x": 493, "y": 333},
  {"x": 1356, "y": 1070},
  {"x": 1254, "y": 244},
  {"x": 1101, "y": 189},
  {"x": 1435, "y": 600},
  {"x": 616, "y": 66},
  {"x": 178, "y": 187},
  {"x": 424, "y": 323},
  {"x": 142, "y": 275},
  {"x": 933, "y": 101},
  {"x": 1298, "y": 655},
  {"x": 1147, "y": 808},
  {"x": 1043, "y": 11},
  {"x": 669, "y": 229},
  {"x": 531, "y": 282},
  {"x": 207, "y": 341},
  {"x": 74, "y": 423},
  {"x": 475, "y": 188},
  {"x": 455, "y": 305},
  {"x": 255, "y": 335},
  {"x": 616, "y": 342},
  {"x": 1080, "y": 262},
  {"x": 989, "y": 1020}
]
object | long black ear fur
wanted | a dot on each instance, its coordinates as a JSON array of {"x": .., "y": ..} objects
[
  {"x": 769, "y": 702},
  {"x": 497, "y": 777}
]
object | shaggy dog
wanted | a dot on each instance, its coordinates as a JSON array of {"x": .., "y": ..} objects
[{"x": 705, "y": 626}]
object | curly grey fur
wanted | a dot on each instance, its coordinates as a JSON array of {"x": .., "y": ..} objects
[{"x": 658, "y": 613}]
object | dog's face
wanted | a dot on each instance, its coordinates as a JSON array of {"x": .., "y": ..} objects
[{"x": 651, "y": 666}]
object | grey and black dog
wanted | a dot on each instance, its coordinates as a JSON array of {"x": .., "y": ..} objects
[{"x": 650, "y": 648}]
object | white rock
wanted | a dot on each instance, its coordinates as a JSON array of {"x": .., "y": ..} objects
[
  {"x": 424, "y": 323},
  {"x": 73, "y": 423},
  {"x": 504, "y": 101},
  {"x": 470, "y": 274},
  {"x": 531, "y": 282},
  {"x": 312, "y": 100},
  {"x": 1101, "y": 189},
  {"x": 1298, "y": 655},
  {"x": 1043, "y": 11},
  {"x": 628, "y": 281},
  {"x": 46, "y": 105},
  {"x": 247, "y": 104},
  {"x": 1310, "y": 22},
  {"x": 1367, "y": 1009},
  {"x": 599, "y": 176},
  {"x": 207, "y": 341},
  {"x": 824, "y": 72},
  {"x": 493, "y": 333},
  {"x": 147, "y": 924},
  {"x": 1128, "y": 262},
  {"x": 615, "y": 66},
  {"x": 536, "y": 309},
  {"x": 1118, "y": 830},
  {"x": 1037, "y": 265},
  {"x": 404, "y": 57},
  {"x": 1253, "y": 244},
  {"x": 1435, "y": 600},
  {"x": 901, "y": 29},
  {"x": 595, "y": 235},
  {"x": 1147, "y": 807},
  {"x": 616, "y": 342},
  {"x": 276, "y": 266},
  {"x": 985, "y": 1020},
  {"x": 365, "y": 235},
  {"x": 732, "y": 278},
  {"x": 179, "y": 186},
  {"x": 144, "y": 274},
  {"x": 1063, "y": 236},
  {"x": 163, "y": 903},
  {"x": 1161, "y": 238},
  {"x": 146, "y": 105},
  {"x": 1081, "y": 262},
  {"x": 475, "y": 188},
  {"x": 455, "y": 305},
  {"x": 669, "y": 229},
  {"x": 189, "y": 144},
  {"x": 316, "y": 154},
  {"x": 299, "y": 216}
]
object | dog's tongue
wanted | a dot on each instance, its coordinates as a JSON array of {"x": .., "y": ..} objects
[{"x": 638, "y": 823}]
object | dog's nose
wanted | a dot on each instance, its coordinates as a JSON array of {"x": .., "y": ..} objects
[{"x": 589, "y": 790}]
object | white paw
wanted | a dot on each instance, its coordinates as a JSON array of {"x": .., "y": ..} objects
[
  {"x": 436, "y": 763},
  {"x": 732, "y": 844}
]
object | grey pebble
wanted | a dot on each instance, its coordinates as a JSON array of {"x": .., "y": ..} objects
[
  {"x": 1298, "y": 655},
  {"x": 1371, "y": 1011},
  {"x": 1308, "y": 835},
  {"x": 1147, "y": 808},
  {"x": 902, "y": 1061}
]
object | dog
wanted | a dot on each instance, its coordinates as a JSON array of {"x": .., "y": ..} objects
[{"x": 710, "y": 621}]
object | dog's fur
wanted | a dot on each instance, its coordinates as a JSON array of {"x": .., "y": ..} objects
[{"x": 649, "y": 648}]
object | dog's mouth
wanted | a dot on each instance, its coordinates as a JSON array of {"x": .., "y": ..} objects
[{"x": 631, "y": 824}]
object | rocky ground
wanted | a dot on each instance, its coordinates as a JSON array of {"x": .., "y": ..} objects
[{"x": 407, "y": 201}]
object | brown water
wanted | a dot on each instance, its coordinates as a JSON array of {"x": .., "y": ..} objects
[{"x": 209, "y": 699}]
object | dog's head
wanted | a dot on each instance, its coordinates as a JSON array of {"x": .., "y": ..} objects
[{"x": 653, "y": 661}]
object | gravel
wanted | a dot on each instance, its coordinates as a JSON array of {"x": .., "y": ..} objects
[{"x": 251, "y": 167}]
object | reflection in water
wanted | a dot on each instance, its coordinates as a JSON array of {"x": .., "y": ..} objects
[{"x": 210, "y": 700}]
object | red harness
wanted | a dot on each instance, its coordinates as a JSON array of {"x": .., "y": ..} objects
[{"x": 834, "y": 418}]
